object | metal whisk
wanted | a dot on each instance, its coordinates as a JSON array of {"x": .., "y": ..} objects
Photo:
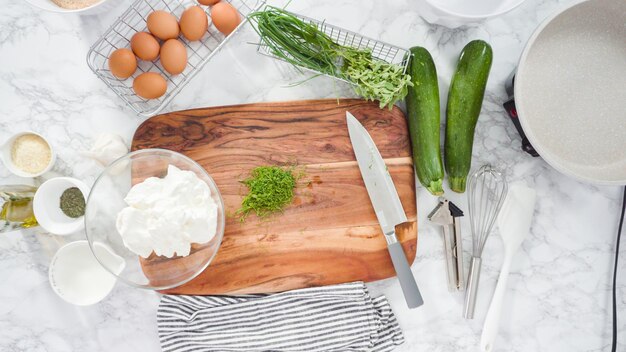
[{"x": 486, "y": 192}]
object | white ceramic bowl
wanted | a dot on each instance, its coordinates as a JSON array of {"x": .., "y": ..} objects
[
  {"x": 5, "y": 155},
  {"x": 46, "y": 206},
  {"x": 456, "y": 13},
  {"x": 78, "y": 278},
  {"x": 100, "y": 6}
]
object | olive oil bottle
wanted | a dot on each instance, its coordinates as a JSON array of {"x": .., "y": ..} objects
[{"x": 17, "y": 207}]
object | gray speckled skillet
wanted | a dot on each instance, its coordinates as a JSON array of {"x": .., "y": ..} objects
[{"x": 570, "y": 91}]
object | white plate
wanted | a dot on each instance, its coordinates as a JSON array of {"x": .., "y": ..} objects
[{"x": 570, "y": 91}]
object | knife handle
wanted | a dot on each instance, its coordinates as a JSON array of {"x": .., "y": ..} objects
[{"x": 405, "y": 276}]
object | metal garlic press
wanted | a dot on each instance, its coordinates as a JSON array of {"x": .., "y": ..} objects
[{"x": 446, "y": 214}]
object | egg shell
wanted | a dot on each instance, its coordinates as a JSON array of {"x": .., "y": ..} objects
[
  {"x": 225, "y": 17},
  {"x": 194, "y": 23},
  {"x": 145, "y": 46},
  {"x": 149, "y": 85},
  {"x": 208, "y": 2},
  {"x": 122, "y": 63},
  {"x": 163, "y": 25},
  {"x": 173, "y": 56}
]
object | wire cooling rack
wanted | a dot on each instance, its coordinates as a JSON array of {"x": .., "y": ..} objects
[
  {"x": 134, "y": 20},
  {"x": 380, "y": 50}
]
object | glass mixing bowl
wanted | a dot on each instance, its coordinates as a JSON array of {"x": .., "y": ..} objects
[{"x": 106, "y": 200}]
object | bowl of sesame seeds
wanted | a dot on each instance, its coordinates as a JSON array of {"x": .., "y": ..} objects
[{"x": 27, "y": 154}]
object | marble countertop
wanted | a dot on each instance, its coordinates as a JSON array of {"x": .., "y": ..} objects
[{"x": 558, "y": 297}]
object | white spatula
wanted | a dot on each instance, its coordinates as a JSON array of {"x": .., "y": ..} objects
[{"x": 514, "y": 224}]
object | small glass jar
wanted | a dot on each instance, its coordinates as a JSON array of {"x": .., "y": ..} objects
[{"x": 16, "y": 212}]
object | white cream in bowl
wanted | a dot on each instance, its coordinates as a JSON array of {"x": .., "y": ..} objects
[{"x": 166, "y": 215}]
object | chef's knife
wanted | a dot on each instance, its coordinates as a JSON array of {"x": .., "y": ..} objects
[{"x": 386, "y": 204}]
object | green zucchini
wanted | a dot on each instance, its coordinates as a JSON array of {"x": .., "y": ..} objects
[
  {"x": 422, "y": 105},
  {"x": 465, "y": 98}
]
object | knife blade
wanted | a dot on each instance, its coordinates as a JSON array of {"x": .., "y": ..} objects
[
  {"x": 378, "y": 182},
  {"x": 386, "y": 203}
]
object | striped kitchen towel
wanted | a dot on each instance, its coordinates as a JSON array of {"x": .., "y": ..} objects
[{"x": 332, "y": 318}]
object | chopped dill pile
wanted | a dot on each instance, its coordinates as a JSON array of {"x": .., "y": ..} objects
[{"x": 270, "y": 190}]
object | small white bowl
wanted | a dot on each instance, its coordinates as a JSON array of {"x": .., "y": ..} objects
[
  {"x": 96, "y": 8},
  {"x": 47, "y": 210},
  {"x": 456, "y": 13},
  {"x": 5, "y": 155},
  {"x": 78, "y": 278}
]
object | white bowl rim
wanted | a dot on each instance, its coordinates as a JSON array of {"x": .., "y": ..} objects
[
  {"x": 63, "y": 10},
  {"x": 475, "y": 17}
]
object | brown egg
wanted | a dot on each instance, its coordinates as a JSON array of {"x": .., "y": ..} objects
[
  {"x": 208, "y": 2},
  {"x": 173, "y": 56},
  {"x": 145, "y": 46},
  {"x": 122, "y": 63},
  {"x": 163, "y": 25},
  {"x": 149, "y": 85},
  {"x": 194, "y": 23},
  {"x": 225, "y": 17}
]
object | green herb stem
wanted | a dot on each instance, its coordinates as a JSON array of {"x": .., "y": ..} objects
[{"x": 305, "y": 45}]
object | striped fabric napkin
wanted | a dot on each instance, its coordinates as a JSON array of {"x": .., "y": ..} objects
[{"x": 332, "y": 318}]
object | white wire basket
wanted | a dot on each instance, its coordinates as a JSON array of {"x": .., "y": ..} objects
[
  {"x": 134, "y": 20},
  {"x": 380, "y": 50}
]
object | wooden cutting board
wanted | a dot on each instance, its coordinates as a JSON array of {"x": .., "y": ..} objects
[{"x": 330, "y": 233}]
